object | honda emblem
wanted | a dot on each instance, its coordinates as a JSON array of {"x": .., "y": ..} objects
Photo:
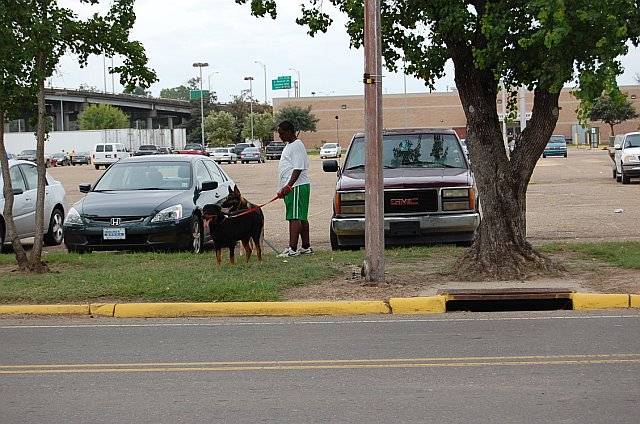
[{"x": 115, "y": 221}]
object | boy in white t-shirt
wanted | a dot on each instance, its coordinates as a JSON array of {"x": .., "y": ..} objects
[{"x": 294, "y": 187}]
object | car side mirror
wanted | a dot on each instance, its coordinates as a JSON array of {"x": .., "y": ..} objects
[
  {"x": 85, "y": 187},
  {"x": 330, "y": 165},
  {"x": 209, "y": 185}
]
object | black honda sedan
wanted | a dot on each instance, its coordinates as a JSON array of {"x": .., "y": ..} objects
[{"x": 147, "y": 202}]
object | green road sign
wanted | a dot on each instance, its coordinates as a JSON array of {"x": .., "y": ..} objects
[
  {"x": 281, "y": 83},
  {"x": 196, "y": 94}
]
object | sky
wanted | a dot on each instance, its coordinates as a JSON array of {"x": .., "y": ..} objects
[{"x": 225, "y": 35}]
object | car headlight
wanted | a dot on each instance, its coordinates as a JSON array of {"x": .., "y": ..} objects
[
  {"x": 73, "y": 217},
  {"x": 458, "y": 199},
  {"x": 171, "y": 213},
  {"x": 630, "y": 159}
]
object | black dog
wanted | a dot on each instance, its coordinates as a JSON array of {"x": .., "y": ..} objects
[
  {"x": 227, "y": 229},
  {"x": 236, "y": 201}
]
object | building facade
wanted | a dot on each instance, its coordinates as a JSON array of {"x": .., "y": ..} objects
[{"x": 342, "y": 116}]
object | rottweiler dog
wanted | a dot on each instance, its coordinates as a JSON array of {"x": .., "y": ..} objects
[
  {"x": 235, "y": 201},
  {"x": 227, "y": 229}
]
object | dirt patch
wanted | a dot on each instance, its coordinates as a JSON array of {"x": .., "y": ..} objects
[{"x": 430, "y": 277}]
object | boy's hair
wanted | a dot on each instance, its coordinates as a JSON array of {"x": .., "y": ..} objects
[{"x": 287, "y": 126}]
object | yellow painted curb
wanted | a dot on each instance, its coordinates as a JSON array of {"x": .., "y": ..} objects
[
  {"x": 44, "y": 309},
  {"x": 102, "y": 309},
  {"x": 419, "y": 305},
  {"x": 592, "y": 301},
  {"x": 634, "y": 301},
  {"x": 229, "y": 309}
]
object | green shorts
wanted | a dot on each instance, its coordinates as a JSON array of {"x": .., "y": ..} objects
[{"x": 297, "y": 202}]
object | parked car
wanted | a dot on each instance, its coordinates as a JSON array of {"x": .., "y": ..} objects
[
  {"x": 224, "y": 154},
  {"x": 241, "y": 146},
  {"x": 430, "y": 195},
  {"x": 556, "y": 146},
  {"x": 165, "y": 150},
  {"x": 81, "y": 158},
  {"x": 627, "y": 157},
  {"x": 252, "y": 154},
  {"x": 147, "y": 202},
  {"x": 24, "y": 181},
  {"x": 147, "y": 149},
  {"x": 330, "y": 150},
  {"x": 32, "y": 156},
  {"x": 194, "y": 149},
  {"x": 10, "y": 155},
  {"x": 104, "y": 154},
  {"x": 61, "y": 159},
  {"x": 274, "y": 150}
]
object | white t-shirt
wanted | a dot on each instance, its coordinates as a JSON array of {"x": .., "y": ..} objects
[{"x": 294, "y": 156}]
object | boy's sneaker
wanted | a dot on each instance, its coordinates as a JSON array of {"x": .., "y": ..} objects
[
  {"x": 288, "y": 252},
  {"x": 307, "y": 251}
]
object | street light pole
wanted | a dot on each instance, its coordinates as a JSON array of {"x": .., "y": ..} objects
[
  {"x": 264, "y": 68},
  {"x": 250, "y": 79},
  {"x": 201, "y": 65},
  {"x": 209, "y": 80},
  {"x": 298, "y": 90}
]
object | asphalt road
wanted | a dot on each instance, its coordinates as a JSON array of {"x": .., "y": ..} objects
[
  {"x": 560, "y": 367},
  {"x": 569, "y": 199}
]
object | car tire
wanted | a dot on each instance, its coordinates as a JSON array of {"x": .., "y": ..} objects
[
  {"x": 625, "y": 178},
  {"x": 55, "y": 235},
  {"x": 619, "y": 176},
  {"x": 334, "y": 239},
  {"x": 97, "y": 166},
  {"x": 2, "y": 248},
  {"x": 197, "y": 235},
  {"x": 544, "y": 156},
  {"x": 615, "y": 174}
]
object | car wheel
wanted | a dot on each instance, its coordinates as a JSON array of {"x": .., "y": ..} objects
[
  {"x": 55, "y": 234},
  {"x": 334, "y": 239},
  {"x": 2, "y": 248},
  {"x": 615, "y": 174},
  {"x": 625, "y": 178},
  {"x": 619, "y": 176},
  {"x": 197, "y": 235},
  {"x": 544, "y": 156},
  {"x": 97, "y": 166}
]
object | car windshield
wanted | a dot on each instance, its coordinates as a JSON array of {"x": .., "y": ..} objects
[
  {"x": 145, "y": 176},
  {"x": 633, "y": 141},
  {"x": 193, "y": 147},
  {"x": 411, "y": 151},
  {"x": 28, "y": 153},
  {"x": 82, "y": 154},
  {"x": 147, "y": 147},
  {"x": 251, "y": 150},
  {"x": 223, "y": 150},
  {"x": 329, "y": 146}
]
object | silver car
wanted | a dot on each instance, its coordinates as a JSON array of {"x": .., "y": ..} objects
[{"x": 24, "y": 180}]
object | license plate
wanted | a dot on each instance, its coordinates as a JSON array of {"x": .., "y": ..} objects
[{"x": 113, "y": 234}]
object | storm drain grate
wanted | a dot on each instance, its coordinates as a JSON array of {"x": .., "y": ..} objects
[{"x": 497, "y": 300}]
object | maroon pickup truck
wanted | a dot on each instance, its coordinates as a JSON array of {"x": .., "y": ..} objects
[
  {"x": 430, "y": 194},
  {"x": 194, "y": 149}
]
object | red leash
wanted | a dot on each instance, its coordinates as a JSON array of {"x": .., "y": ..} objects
[{"x": 253, "y": 209}]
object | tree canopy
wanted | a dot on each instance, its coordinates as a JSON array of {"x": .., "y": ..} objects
[
  {"x": 612, "y": 108},
  {"x": 263, "y": 126},
  {"x": 101, "y": 117},
  {"x": 35, "y": 35},
  {"x": 541, "y": 45},
  {"x": 220, "y": 128},
  {"x": 302, "y": 118}
]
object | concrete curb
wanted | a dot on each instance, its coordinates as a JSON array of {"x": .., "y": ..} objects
[{"x": 397, "y": 306}]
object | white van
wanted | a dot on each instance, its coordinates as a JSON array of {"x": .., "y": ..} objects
[{"x": 107, "y": 153}]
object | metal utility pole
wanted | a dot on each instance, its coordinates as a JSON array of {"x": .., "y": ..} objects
[
  {"x": 250, "y": 79},
  {"x": 374, "y": 193},
  {"x": 264, "y": 68},
  {"x": 201, "y": 65}
]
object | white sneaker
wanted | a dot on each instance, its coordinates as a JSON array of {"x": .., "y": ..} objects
[
  {"x": 288, "y": 252},
  {"x": 307, "y": 251}
]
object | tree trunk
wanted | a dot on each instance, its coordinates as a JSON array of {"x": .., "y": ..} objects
[
  {"x": 35, "y": 260},
  {"x": 9, "y": 226},
  {"x": 612, "y": 133},
  {"x": 501, "y": 250}
]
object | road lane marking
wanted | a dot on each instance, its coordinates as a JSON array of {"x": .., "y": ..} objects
[{"x": 390, "y": 363}]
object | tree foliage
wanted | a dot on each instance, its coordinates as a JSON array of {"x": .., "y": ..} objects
[
  {"x": 302, "y": 118},
  {"x": 263, "y": 126},
  {"x": 137, "y": 91},
  {"x": 220, "y": 128},
  {"x": 101, "y": 117},
  {"x": 35, "y": 35},
  {"x": 612, "y": 108},
  {"x": 541, "y": 45},
  {"x": 176, "y": 93}
]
